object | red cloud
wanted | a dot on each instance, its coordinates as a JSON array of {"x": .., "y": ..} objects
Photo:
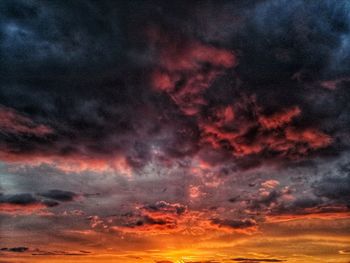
[
  {"x": 313, "y": 138},
  {"x": 186, "y": 68},
  {"x": 16, "y": 123},
  {"x": 71, "y": 163},
  {"x": 279, "y": 119},
  {"x": 236, "y": 131},
  {"x": 17, "y": 209}
]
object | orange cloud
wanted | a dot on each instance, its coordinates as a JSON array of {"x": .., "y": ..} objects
[
  {"x": 17, "y": 209},
  {"x": 326, "y": 213},
  {"x": 71, "y": 163},
  {"x": 325, "y": 216},
  {"x": 173, "y": 218},
  {"x": 271, "y": 184}
]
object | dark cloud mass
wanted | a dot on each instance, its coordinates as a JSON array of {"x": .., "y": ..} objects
[
  {"x": 95, "y": 84},
  {"x": 59, "y": 195},
  {"x": 235, "y": 224},
  {"x": 18, "y": 199},
  {"x": 28, "y": 203},
  {"x": 336, "y": 188},
  {"x": 165, "y": 207}
]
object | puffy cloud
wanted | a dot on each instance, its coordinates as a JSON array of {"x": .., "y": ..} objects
[{"x": 270, "y": 184}]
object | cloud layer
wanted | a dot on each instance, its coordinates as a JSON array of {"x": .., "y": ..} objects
[{"x": 156, "y": 126}]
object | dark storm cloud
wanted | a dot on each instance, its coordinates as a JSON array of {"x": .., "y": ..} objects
[
  {"x": 59, "y": 195},
  {"x": 235, "y": 224},
  {"x": 14, "y": 249},
  {"x": 94, "y": 86},
  {"x": 335, "y": 187},
  {"x": 86, "y": 88},
  {"x": 38, "y": 252},
  {"x": 302, "y": 206},
  {"x": 267, "y": 200},
  {"x": 27, "y": 200},
  {"x": 18, "y": 199},
  {"x": 146, "y": 220},
  {"x": 165, "y": 207}
]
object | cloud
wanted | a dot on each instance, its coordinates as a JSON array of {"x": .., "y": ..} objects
[
  {"x": 59, "y": 195},
  {"x": 26, "y": 203},
  {"x": 23, "y": 204},
  {"x": 167, "y": 208},
  {"x": 247, "y": 136},
  {"x": 15, "y": 249},
  {"x": 336, "y": 188},
  {"x": 234, "y": 224},
  {"x": 153, "y": 218},
  {"x": 271, "y": 184},
  {"x": 18, "y": 199},
  {"x": 38, "y": 252},
  {"x": 279, "y": 119},
  {"x": 256, "y": 260},
  {"x": 192, "y": 83},
  {"x": 186, "y": 122},
  {"x": 13, "y": 123},
  {"x": 185, "y": 71}
]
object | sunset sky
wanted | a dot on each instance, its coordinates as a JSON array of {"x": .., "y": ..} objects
[{"x": 175, "y": 131}]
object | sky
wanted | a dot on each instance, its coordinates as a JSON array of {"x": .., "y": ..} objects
[{"x": 175, "y": 131}]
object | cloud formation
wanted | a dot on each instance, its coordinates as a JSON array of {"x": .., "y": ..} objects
[{"x": 157, "y": 126}]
